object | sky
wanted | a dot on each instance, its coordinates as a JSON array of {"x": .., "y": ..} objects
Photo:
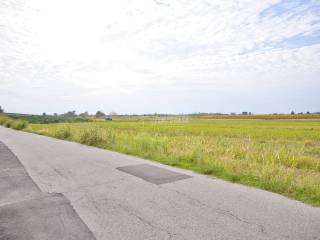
[{"x": 147, "y": 56}]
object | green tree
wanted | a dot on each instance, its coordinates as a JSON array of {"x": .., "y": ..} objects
[
  {"x": 70, "y": 114},
  {"x": 84, "y": 114},
  {"x": 100, "y": 114}
]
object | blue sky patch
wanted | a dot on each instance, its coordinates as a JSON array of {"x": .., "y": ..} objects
[{"x": 286, "y": 7}]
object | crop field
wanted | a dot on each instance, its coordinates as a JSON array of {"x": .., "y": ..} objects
[{"x": 281, "y": 156}]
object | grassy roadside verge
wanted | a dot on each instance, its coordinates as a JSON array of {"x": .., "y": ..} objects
[
  {"x": 278, "y": 156},
  {"x": 17, "y": 124}
]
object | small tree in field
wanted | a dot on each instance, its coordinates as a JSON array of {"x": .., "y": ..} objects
[
  {"x": 70, "y": 114},
  {"x": 292, "y": 112},
  {"x": 1, "y": 110},
  {"x": 100, "y": 114},
  {"x": 84, "y": 114}
]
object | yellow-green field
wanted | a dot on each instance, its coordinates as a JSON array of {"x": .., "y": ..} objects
[{"x": 282, "y": 156}]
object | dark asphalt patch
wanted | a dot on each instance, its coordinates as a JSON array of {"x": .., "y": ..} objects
[
  {"x": 26, "y": 213},
  {"x": 15, "y": 184},
  {"x": 153, "y": 174},
  {"x": 50, "y": 217}
]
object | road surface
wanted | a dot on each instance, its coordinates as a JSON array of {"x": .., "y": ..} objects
[{"x": 53, "y": 189}]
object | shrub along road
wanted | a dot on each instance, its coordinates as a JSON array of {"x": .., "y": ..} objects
[{"x": 122, "y": 197}]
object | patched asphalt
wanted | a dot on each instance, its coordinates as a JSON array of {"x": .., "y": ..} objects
[
  {"x": 153, "y": 174},
  {"x": 27, "y": 213}
]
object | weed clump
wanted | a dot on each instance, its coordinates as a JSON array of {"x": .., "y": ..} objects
[
  {"x": 8, "y": 123},
  {"x": 3, "y": 119},
  {"x": 92, "y": 137},
  {"x": 19, "y": 124},
  {"x": 63, "y": 133}
]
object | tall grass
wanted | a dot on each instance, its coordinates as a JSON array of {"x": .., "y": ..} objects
[
  {"x": 280, "y": 156},
  {"x": 63, "y": 133},
  {"x": 92, "y": 137},
  {"x": 17, "y": 124},
  {"x": 3, "y": 119}
]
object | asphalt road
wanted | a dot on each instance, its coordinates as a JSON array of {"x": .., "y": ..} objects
[{"x": 53, "y": 189}]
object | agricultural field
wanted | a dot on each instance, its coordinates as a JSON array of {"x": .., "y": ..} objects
[{"x": 281, "y": 156}]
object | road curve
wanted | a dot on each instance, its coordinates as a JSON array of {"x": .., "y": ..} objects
[{"x": 115, "y": 196}]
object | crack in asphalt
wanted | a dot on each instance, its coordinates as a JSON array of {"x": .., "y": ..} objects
[
  {"x": 132, "y": 212},
  {"x": 28, "y": 199},
  {"x": 170, "y": 235},
  {"x": 228, "y": 213},
  {"x": 60, "y": 173},
  {"x": 79, "y": 189}
]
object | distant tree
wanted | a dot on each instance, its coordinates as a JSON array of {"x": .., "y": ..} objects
[
  {"x": 1, "y": 110},
  {"x": 244, "y": 113},
  {"x": 70, "y": 114},
  {"x": 308, "y": 112},
  {"x": 292, "y": 112},
  {"x": 44, "y": 114},
  {"x": 84, "y": 114},
  {"x": 55, "y": 114},
  {"x": 100, "y": 114}
]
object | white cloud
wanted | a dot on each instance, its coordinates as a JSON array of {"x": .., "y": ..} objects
[{"x": 85, "y": 50}]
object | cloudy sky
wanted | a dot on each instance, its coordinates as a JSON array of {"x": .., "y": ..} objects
[{"x": 149, "y": 56}]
